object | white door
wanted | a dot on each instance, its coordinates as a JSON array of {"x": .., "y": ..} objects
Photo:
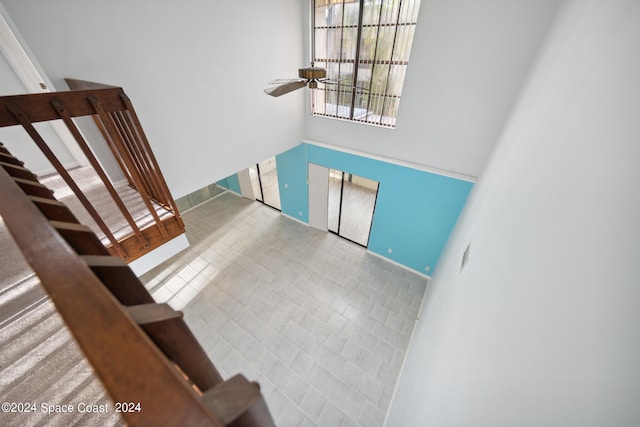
[
  {"x": 318, "y": 197},
  {"x": 33, "y": 81}
]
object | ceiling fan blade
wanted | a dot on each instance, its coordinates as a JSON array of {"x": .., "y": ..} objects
[
  {"x": 285, "y": 88},
  {"x": 283, "y": 81}
]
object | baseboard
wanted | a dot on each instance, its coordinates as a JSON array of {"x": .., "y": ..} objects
[
  {"x": 44, "y": 173},
  {"x": 294, "y": 219},
  {"x": 426, "y": 276},
  {"x": 235, "y": 194},
  {"x": 207, "y": 200},
  {"x": 406, "y": 355}
]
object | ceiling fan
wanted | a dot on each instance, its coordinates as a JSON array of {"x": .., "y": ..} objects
[{"x": 310, "y": 76}]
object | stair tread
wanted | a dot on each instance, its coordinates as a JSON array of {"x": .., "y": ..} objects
[
  {"x": 104, "y": 261},
  {"x": 29, "y": 182},
  {"x": 60, "y": 225},
  {"x": 231, "y": 398},
  {"x": 150, "y": 313}
]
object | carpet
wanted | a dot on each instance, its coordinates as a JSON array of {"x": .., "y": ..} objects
[{"x": 40, "y": 363}]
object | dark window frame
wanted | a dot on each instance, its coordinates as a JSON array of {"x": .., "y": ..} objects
[{"x": 366, "y": 58}]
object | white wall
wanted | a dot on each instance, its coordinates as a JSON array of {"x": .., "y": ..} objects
[
  {"x": 468, "y": 62},
  {"x": 541, "y": 327},
  {"x": 18, "y": 141},
  {"x": 194, "y": 69}
]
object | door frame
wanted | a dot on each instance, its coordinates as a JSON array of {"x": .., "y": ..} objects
[
  {"x": 33, "y": 78},
  {"x": 246, "y": 188},
  {"x": 373, "y": 212},
  {"x": 318, "y": 178}
]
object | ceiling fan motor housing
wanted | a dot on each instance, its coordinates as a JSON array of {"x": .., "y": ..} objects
[{"x": 312, "y": 73}]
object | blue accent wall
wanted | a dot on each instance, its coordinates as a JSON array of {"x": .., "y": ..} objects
[
  {"x": 230, "y": 183},
  {"x": 223, "y": 183},
  {"x": 415, "y": 211},
  {"x": 292, "y": 182}
]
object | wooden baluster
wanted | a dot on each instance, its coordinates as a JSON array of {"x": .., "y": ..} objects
[
  {"x": 106, "y": 122},
  {"x": 110, "y": 330},
  {"x": 81, "y": 85},
  {"x": 162, "y": 194},
  {"x": 129, "y": 365},
  {"x": 96, "y": 166},
  {"x": 33, "y": 133},
  {"x": 152, "y": 157},
  {"x": 114, "y": 150},
  {"x": 152, "y": 172},
  {"x": 134, "y": 154}
]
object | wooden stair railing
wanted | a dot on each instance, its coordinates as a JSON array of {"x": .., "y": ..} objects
[
  {"x": 143, "y": 352},
  {"x": 117, "y": 121}
]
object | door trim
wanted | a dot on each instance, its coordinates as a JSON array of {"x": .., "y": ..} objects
[
  {"x": 34, "y": 80},
  {"x": 318, "y": 177}
]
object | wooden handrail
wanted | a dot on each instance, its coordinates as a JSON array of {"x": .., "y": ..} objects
[
  {"x": 23, "y": 119},
  {"x": 38, "y": 105},
  {"x": 132, "y": 343},
  {"x": 113, "y": 113},
  {"x": 93, "y": 316}
]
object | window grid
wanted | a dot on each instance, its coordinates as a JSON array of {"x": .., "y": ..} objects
[{"x": 365, "y": 46}]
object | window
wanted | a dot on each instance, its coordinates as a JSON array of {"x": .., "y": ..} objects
[{"x": 364, "y": 45}]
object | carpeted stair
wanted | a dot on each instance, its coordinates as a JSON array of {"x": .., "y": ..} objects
[{"x": 40, "y": 362}]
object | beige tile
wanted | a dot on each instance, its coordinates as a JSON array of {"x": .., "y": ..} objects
[
  {"x": 331, "y": 416},
  {"x": 291, "y": 416},
  {"x": 321, "y": 324},
  {"x": 313, "y": 403},
  {"x": 297, "y": 389},
  {"x": 371, "y": 388}
]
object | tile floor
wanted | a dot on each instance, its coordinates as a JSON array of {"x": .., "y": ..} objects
[{"x": 322, "y": 325}]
